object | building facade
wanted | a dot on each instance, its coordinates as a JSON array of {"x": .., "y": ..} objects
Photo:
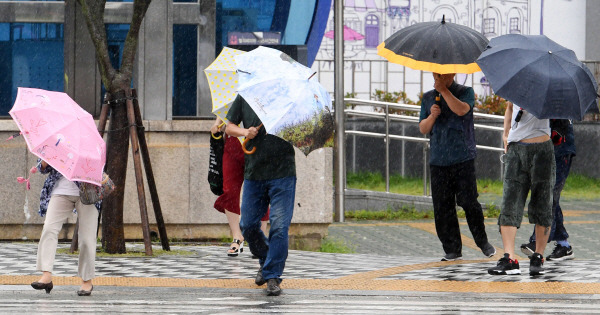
[{"x": 46, "y": 44}]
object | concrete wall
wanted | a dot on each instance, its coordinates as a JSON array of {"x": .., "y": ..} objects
[
  {"x": 592, "y": 29},
  {"x": 179, "y": 154}
]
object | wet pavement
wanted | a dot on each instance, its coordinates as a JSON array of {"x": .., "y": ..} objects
[{"x": 395, "y": 270}]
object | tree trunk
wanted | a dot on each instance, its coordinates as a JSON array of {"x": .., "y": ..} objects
[
  {"x": 113, "y": 235},
  {"x": 117, "y": 83}
]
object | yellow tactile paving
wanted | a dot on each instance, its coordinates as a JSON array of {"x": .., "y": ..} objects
[{"x": 346, "y": 283}]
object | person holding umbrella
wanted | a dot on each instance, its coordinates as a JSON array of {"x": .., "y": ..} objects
[
  {"x": 547, "y": 81},
  {"x": 563, "y": 138},
  {"x": 269, "y": 179},
  {"x": 233, "y": 178},
  {"x": 447, "y": 115},
  {"x": 58, "y": 198},
  {"x": 529, "y": 166},
  {"x": 65, "y": 139},
  {"x": 449, "y": 121}
]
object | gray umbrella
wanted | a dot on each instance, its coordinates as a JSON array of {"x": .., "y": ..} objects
[{"x": 540, "y": 76}]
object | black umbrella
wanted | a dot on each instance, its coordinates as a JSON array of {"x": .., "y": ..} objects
[
  {"x": 540, "y": 76},
  {"x": 439, "y": 47}
]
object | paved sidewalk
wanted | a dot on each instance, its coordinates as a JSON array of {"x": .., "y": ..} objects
[{"x": 396, "y": 269}]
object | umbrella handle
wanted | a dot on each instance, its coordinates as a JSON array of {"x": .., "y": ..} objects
[
  {"x": 219, "y": 137},
  {"x": 249, "y": 152}
]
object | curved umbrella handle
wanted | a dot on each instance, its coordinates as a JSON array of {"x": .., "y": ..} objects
[
  {"x": 219, "y": 137},
  {"x": 246, "y": 141}
]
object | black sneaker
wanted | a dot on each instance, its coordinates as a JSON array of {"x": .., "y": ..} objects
[
  {"x": 488, "y": 250},
  {"x": 451, "y": 257},
  {"x": 259, "y": 280},
  {"x": 273, "y": 288},
  {"x": 536, "y": 265},
  {"x": 505, "y": 266},
  {"x": 528, "y": 249},
  {"x": 561, "y": 253}
]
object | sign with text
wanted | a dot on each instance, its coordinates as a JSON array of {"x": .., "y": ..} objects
[{"x": 254, "y": 38}]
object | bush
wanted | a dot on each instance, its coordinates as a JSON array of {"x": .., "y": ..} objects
[
  {"x": 396, "y": 97},
  {"x": 491, "y": 104}
]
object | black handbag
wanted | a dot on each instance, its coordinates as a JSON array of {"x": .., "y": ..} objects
[{"x": 215, "y": 166}]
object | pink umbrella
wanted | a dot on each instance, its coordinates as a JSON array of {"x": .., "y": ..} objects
[
  {"x": 61, "y": 133},
  {"x": 349, "y": 34}
]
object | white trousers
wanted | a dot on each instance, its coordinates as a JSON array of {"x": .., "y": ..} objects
[{"x": 60, "y": 208}]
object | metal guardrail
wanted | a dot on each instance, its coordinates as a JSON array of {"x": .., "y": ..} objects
[{"x": 411, "y": 119}]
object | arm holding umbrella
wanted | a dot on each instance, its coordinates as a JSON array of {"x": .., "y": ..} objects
[
  {"x": 42, "y": 166},
  {"x": 217, "y": 127},
  {"x": 426, "y": 125},
  {"x": 237, "y": 131}
]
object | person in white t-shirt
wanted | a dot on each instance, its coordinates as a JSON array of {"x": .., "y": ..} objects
[
  {"x": 59, "y": 196},
  {"x": 529, "y": 166}
]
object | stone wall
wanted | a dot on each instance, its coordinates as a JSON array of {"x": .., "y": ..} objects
[{"x": 179, "y": 154}]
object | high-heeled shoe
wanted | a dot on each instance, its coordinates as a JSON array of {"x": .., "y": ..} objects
[
  {"x": 85, "y": 292},
  {"x": 43, "y": 286},
  {"x": 236, "y": 251}
]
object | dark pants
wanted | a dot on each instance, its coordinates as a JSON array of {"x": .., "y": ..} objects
[
  {"x": 452, "y": 185},
  {"x": 258, "y": 194},
  {"x": 558, "y": 231}
]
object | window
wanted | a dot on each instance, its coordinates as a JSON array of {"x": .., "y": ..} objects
[
  {"x": 489, "y": 26},
  {"x": 115, "y": 37},
  {"x": 244, "y": 16},
  {"x": 185, "y": 69},
  {"x": 31, "y": 55},
  {"x": 514, "y": 25}
]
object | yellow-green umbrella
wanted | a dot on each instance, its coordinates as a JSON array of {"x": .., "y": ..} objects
[{"x": 223, "y": 81}]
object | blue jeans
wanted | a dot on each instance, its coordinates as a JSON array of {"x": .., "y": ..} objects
[
  {"x": 558, "y": 231},
  {"x": 258, "y": 194}
]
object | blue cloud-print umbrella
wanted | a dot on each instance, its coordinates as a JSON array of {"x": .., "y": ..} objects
[
  {"x": 540, "y": 76},
  {"x": 286, "y": 96}
]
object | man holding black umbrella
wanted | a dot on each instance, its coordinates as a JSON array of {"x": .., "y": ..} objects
[{"x": 449, "y": 121}]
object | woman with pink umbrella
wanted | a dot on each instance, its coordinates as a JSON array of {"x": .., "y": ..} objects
[
  {"x": 71, "y": 151},
  {"x": 58, "y": 198}
]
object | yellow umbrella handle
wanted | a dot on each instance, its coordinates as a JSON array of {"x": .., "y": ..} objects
[
  {"x": 219, "y": 137},
  {"x": 246, "y": 141}
]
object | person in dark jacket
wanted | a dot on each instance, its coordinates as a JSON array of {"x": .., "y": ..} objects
[
  {"x": 447, "y": 116},
  {"x": 269, "y": 179}
]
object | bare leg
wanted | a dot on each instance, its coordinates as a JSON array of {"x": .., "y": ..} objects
[
  {"x": 509, "y": 233},
  {"x": 541, "y": 233},
  {"x": 86, "y": 285},
  {"x": 46, "y": 277},
  {"x": 234, "y": 226},
  {"x": 263, "y": 227}
]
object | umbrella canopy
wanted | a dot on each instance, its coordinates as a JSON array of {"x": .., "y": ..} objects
[
  {"x": 61, "y": 133},
  {"x": 349, "y": 34},
  {"x": 540, "y": 76},
  {"x": 439, "y": 47},
  {"x": 223, "y": 80},
  {"x": 286, "y": 97}
]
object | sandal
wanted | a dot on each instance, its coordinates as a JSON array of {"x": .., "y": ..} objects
[{"x": 234, "y": 251}]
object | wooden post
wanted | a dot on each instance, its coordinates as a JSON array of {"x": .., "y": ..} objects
[
  {"x": 135, "y": 150},
  {"x": 101, "y": 128},
  {"x": 164, "y": 240}
]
